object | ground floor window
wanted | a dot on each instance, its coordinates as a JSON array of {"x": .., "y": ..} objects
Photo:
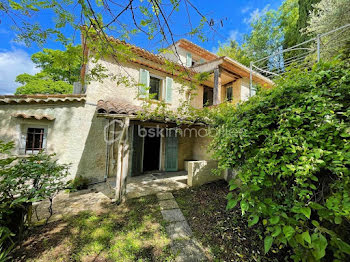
[{"x": 34, "y": 140}]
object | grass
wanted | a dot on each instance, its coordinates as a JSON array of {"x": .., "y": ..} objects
[
  {"x": 224, "y": 233},
  {"x": 131, "y": 231}
]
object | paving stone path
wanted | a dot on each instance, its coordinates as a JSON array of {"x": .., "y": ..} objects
[{"x": 183, "y": 244}]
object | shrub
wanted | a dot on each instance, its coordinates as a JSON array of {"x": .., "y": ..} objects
[
  {"x": 291, "y": 148},
  {"x": 22, "y": 182},
  {"x": 78, "y": 183}
]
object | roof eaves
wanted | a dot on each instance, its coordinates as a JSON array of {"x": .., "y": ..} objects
[
  {"x": 41, "y": 98},
  {"x": 245, "y": 68}
]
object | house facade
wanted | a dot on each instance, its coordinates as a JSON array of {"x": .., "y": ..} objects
[{"x": 98, "y": 129}]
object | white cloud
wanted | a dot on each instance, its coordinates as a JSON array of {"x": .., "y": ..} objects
[
  {"x": 245, "y": 9},
  {"x": 233, "y": 35},
  {"x": 13, "y": 63},
  {"x": 255, "y": 14}
]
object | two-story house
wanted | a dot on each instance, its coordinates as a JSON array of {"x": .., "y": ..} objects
[{"x": 98, "y": 129}]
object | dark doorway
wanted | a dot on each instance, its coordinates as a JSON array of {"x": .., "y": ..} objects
[
  {"x": 151, "y": 152},
  {"x": 208, "y": 95}
]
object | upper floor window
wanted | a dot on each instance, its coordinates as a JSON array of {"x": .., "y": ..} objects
[
  {"x": 155, "y": 87},
  {"x": 34, "y": 140}
]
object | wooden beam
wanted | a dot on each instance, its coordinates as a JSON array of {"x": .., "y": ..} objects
[{"x": 231, "y": 74}]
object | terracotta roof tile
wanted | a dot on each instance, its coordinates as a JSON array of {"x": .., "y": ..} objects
[
  {"x": 37, "y": 117},
  {"x": 117, "y": 107},
  {"x": 39, "y": 98}
]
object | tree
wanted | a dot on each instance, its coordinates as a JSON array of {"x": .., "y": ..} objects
[
  {"x": 41, "y": 84},
  {"x": 264, "y": 40},
  {"x": 59, "y": 70},
  {"x": 120, "y": 19},
  {"x": 288, "y": 21},
  {"x": 60, "y": 65},
  {"x": 234, "y": 51},
  {"x": 305, "y": 9},
  {"x": 328, "y": 15}
]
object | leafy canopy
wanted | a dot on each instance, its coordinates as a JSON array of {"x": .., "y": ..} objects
[
  {"x": 59, "y": 70},
  {"x": 41, "y": 84},
  {"x": 60, "y": 65},
  {"x": 234, "y": 51},
  {"x": 291, "y": 148}
]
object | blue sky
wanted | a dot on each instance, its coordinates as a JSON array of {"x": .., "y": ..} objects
[{"x": 236, "y": 15}]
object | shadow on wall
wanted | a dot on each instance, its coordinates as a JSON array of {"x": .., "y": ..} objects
[{"x": 92, "y": 163}]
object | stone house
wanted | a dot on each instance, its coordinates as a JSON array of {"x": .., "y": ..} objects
[{"x": 97, "y": 129}]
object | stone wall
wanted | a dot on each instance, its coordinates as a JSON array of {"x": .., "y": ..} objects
[
  {"x": 112, "y": 88},
  {"x": 245, "y": 89},
  {"x": 200, "y": 172},
  {"x": 76, "y": 134}
]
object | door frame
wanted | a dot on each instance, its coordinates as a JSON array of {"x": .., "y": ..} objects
[{"x": 160, "y": 151}]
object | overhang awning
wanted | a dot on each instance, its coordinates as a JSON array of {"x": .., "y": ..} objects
[
  {"x": 40, "y": 98},
  {"x": 122, "y": 109},
  {"x": 232, "y": 71},
  {"x": 34, "y": 116},
  {"x": 117, "y": 108}
]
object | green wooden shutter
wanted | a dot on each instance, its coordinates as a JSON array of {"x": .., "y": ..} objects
[
  {"x": 201, "y": 61},
  {"x": 144, "y": 81},
  {"x": 171, "y": 151},
  {"x": 189, "y": 59},
  {"x": 137, "y": 152},
  {"x": 168, "y": 89}
]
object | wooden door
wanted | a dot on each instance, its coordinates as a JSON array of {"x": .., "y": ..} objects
[
  {"x": 171, "y": 151},
  {"x": 137, "y": 152}
]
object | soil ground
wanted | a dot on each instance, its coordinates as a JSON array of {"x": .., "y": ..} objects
[{"x": 224, "y": 233}]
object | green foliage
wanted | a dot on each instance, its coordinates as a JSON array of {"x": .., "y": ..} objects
[
  {"x": 234, "y": 51},
  {"x": 60, "y": 65},
  {"x": 24, "y": 181},
  {"x": 291, "y": 148},
  {"x": 59, "y": 70},
  {"x": 78, "y": 183},
  {"x": 265, "y": 37},
  {"x": 305, "y": 8},
  {"x": 288, "y": 19},
  {"x": 40, "y": 84}
]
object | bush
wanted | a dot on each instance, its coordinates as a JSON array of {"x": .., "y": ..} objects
[
  {"x": 78, "y": 183},
  {"x": 291, "y": 148},
  {"x": 22, "y": 182}
]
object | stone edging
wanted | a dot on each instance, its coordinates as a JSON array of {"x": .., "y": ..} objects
[{"x": 183, "y": 244}]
